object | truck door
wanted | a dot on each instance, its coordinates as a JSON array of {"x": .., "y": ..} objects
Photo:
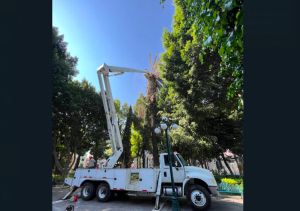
[{"x": 178, "y": 171}]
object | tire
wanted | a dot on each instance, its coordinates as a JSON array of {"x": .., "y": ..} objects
[
  {"x": 88, "y": 191},
  {"x": 198, "y": 198},
  {"x": 121, "y": 193},
  {"x": 103, "y": 193}
]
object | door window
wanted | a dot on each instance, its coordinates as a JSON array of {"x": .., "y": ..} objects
[{"x": 177, "y": 163}]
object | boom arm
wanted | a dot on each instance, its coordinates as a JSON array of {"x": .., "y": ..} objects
[{"x": 112, "y": 123}]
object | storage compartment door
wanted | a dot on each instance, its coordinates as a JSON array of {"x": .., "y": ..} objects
[
  {"x": 146, "y": 180},
  {"x": 119, "y": 179}
]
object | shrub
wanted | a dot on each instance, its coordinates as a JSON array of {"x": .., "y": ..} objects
[
  {"x": 135, "y": 177},
  {"x": 58, "y": 179},
  {"x": 242, "y": 186},
  {"x": 71, "y": 174},
  {"x": 232, "y": 181},
  {"x": 220, "y": 177}
]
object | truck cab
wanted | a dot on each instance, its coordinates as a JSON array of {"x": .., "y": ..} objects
[{"x": 197, "y": 184}]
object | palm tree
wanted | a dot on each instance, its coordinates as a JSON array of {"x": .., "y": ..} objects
[{"x": 153, "y": 86}]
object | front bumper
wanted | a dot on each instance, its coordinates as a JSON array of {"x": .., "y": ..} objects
[{"x": 214, "y": 190}]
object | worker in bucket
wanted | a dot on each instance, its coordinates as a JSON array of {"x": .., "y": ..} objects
[{"x": 91, "y": 162}]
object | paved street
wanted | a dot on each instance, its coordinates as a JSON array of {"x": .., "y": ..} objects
[
  {"x": 139, "y": 203},
  {"x": 222, "y": 203}
]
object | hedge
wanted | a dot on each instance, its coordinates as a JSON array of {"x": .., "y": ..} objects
[
  {"x": 220, "y": 177},
  {"x": 232, "y": 181},
  {"x": 58, "y": 179}
]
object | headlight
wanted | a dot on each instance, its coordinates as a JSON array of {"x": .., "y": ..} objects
[{"x": 213, "y": 181}]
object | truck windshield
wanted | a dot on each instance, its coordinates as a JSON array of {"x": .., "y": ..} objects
[{"x": 181, "y": 160}]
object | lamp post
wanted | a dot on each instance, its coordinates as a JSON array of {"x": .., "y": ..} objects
[{"x": 166, "y": 125}]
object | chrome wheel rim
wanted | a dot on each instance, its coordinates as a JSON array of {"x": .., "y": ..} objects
[
  {"x": 198, "y": 198},
  {"x": 102, "y": 192},
  {"x": 86, "y": 191}
]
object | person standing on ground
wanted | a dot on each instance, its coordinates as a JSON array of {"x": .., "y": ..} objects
[{"x": 91, "y": 162}]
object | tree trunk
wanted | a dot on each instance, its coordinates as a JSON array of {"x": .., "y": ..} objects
[
  {"x": 201, "y": 163},
  {"x": 219, "y": 165},
  {"x": 193, "y": 162},
  {"x": 205, "y": 164},
  {"x": 64, "y": 170},
  {"x": 77, "y": 162},
  {"x": 237, "y": 163},
  {"x": 228, "y": 167},
  {"x": 143, "y": 158},
  {"x": 154, "y": 139}
]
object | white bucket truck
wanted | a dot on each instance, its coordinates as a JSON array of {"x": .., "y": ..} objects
[{"x": 196, "y": 184}]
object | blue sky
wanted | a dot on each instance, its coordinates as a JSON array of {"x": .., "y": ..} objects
[{"x": 118, "y": 32}]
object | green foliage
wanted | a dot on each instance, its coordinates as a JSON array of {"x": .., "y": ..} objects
[
  {"x": 139, "y": 108},
  {"x": 232, "y": 181},
  {"x": 183, "y": 139},
  {"x": 195, "y": 96},
  {"x": 242, "y": 185},
  {"x": 134, "y": 177},
  {"x": 71, "y": 176},
  {"x": 218, "y": 26},
  {"x": 78, "y": 119},
  {"x": 219, "y": 178},
  {"x": 108, "y": 151},
  {"x": 136, "y": 142},
  {"x": 122, "y": 116},
  {"x": 117, "y": 104},
  {"x": 147, "y": 130},
  {"x": 58, "y": 179},
  {"x": 126, "y": 140}
]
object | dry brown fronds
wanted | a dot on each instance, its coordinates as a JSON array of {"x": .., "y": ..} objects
[
  {"x": 150, "y": 61},
  {"x": 154, "y": 82}
]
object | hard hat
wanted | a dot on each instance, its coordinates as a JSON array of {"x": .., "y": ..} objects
[{"x": 90, "y": 156}]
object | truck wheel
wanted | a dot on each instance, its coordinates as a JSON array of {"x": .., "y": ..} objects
[
  {"x": 103, "y": 192},
  {"x": 88, "y": 191},
  {"x": 199, "y": 198},
  {"x": 121, "y": 193}
]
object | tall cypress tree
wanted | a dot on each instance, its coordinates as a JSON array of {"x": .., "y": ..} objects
[
  {"x": 126, "y": 140},
  {"x": 146, "y": 134}
]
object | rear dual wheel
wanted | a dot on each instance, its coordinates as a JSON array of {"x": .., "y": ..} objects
[
  {"x": 103, "y": 192},
  {"x": 88, "y": 191}
]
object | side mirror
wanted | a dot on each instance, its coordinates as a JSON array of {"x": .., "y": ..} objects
[{"x": 173, "y": 160}]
